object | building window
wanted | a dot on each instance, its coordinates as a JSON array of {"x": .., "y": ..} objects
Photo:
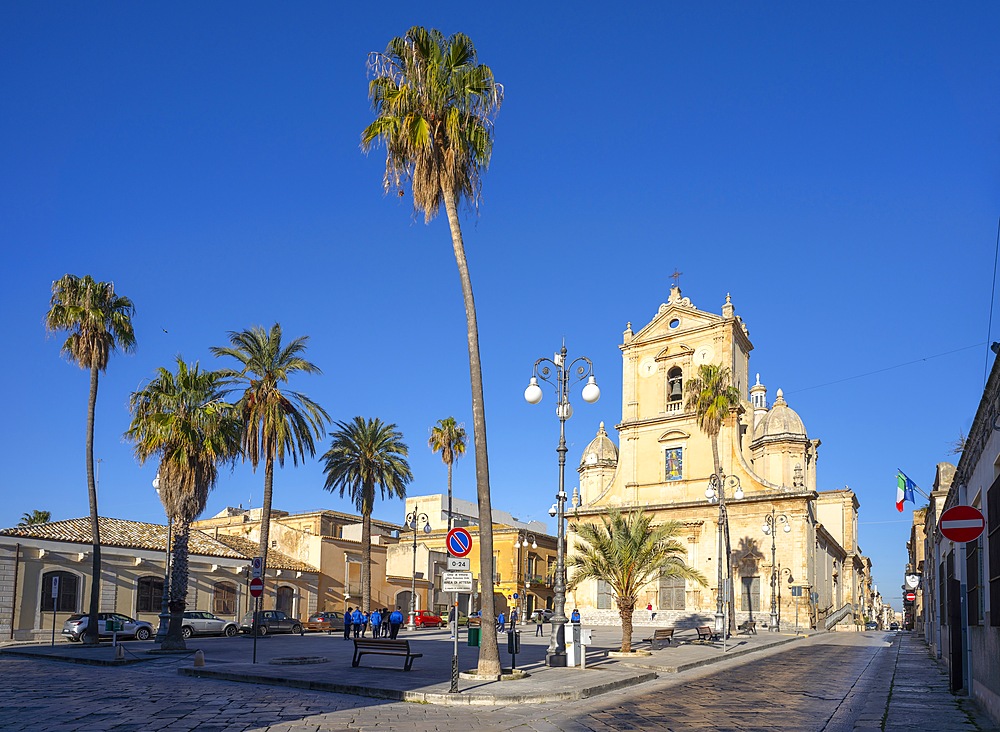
[
  {"x": 993, "y": 544},
  {"x": 672, "y": 593},
  {"x": 605, "y": 597},
  {"x": 149, "y": 595},
  {"x": 675, "y": 383},
  {"x": 751, "y": 594},
  {"x": 973, "y": 575},
  {"x": 224, "y": 598},
  {"x": 66, "y": 600},
  {"x": 674, "y": 461}
]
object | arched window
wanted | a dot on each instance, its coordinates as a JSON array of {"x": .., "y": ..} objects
[
  {"x": 149, "y": 595},
  {"x": 675, "y": 381},
  {"x": 285, "y": 597},
  {"x": 67, "y": 593},
  {"x": 224, "y": 598}
]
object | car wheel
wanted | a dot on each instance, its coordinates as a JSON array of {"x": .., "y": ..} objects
[
  {"x": 231, "y": 630},
  {"x": 261, "y": 630},
  {"x": 143, "y": 634},
  {"x": 297, "y": 629},
  {"x": 186, "y": 632},
  {"x": 443, "y": 624},
  {"x": 74, "y": 638}
]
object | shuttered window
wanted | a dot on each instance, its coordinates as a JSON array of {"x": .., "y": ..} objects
[
  {"x": 993, "y": 548},
  {"x": 672, "y": 592},
  {"x": 149, "y": 595},
  {"x": 605, "y": 597}
]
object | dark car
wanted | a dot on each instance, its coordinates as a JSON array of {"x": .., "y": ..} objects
[
  {"x": 270, "y": 621},
  {"x": 199, "y": 622},
  {"x": 328, "y": 620},
  {"x": 871, "y": 625},
  {"x": 893, "y": 626}
]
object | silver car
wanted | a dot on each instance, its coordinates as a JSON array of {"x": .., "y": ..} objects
[
  {"x": 127, "y": 627},
  {"x": 199, "y": 622}
]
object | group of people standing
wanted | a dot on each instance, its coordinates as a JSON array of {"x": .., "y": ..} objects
[{"x": 383, "y": 624}]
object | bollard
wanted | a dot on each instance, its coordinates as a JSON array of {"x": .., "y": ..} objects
[
  {"x": 583, "y": 656},
  {"x": 119, "y": 653},
  {"x": 199, "y": 659}
]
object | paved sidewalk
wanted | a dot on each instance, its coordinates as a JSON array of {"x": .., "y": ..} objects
[{"x": 382, "y": 677}]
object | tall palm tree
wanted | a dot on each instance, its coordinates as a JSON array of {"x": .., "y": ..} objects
[
  {"x": 435, "y": 106},
  {"x": 448, "y": 438},
  {"x": 712, "y": 396},
  {"x": 628, "y": 552},
  {"x": 365, "y": 454},
  {"x": 99, "y": 322},
  {"x": 35, "y": 517},
  {"x": 183, "y": 420},
  {"x": 276, "y": 422}
]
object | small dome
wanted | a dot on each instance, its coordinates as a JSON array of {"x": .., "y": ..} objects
[
  {"x": 600, "y": 451},
  {"x": 780, "y": 421}
]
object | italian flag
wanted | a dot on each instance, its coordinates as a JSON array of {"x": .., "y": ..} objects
[{"x": 904, "y": 490}]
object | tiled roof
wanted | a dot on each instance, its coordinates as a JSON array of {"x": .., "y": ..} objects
[{"x": 137, "y": 535}]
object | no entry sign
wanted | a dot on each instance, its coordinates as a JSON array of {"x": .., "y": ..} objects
[
  {"x": 910, "y": 596},
  {"x": 962, "y": 524},
  {"x": 459, "y": 542},
  {"x": 256, "y": 587}
]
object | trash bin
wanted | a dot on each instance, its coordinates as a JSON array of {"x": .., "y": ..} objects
[
  {"x": 573, "y": 648},
  {"x": 513, "y": 642},
  {"x": 474, "y": 634}
]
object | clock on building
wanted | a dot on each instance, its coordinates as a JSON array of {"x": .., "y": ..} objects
[
  {"x": 703, "y": 355},
  {"x": 647, "y": 367}
]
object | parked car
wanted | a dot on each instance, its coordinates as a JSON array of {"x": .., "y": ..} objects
[
  {"x": 74, "y": 627},
  {"x": 270, "y": 621},
  {"x": 329, "y": 620},
  {"x": 871, "y": 625},
  {"x": 427, "y": 619},
  {"x": 893, "y": 626},
  {"x": 199, "y": 622},
  {"x": 544, "y": 612}
]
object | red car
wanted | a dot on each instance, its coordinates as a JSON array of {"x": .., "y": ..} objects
[{"x": 427, "y": 619}]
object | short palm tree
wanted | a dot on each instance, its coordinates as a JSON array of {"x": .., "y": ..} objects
[
  {"x": 628, "y": 552},
  {"x": 365, "y": 454},
  {"x": 448, "y": 438},
  {"x": 277, "y": 423},
  {"x": 712, "y": 396},
  {"x": 435, "y": 105},
  {"x": 35, "y": 517},
  {"x": 182, "y": 419},
  {"x": 99, "y": 322}
]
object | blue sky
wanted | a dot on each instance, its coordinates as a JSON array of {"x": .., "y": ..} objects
[{"x": 834, "y": 166}]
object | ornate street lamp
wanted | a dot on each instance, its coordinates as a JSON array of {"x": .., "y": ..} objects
[
  {"x": 716, "y": 492},
  {"x": 770, "y": 529},
  {"x": 161, "y": 630},
  {"x": 413, "y": 521},
  {"x": 558, "y": 373}
]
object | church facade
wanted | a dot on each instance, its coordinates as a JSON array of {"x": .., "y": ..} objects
[{"x": 808, "y": 559}]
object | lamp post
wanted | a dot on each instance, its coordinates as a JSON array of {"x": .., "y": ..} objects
[
  {"x": 557, "y": 372},
  {"x": 523, "y": 542},
  {"x": 716, "y": 492},
  {"x": 781, "y": 573},
  {"x": 770, "y": 528},
  {"x": 161, "y": 630},
  {"x": 413, "y": 520}
]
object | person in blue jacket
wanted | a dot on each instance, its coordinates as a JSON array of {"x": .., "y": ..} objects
[
  {"x": 347, "y": 623},
  {"x": 357, "y": 620},
  {"x": 376, "y": 621},
  {"x": 501, "y": 622},
  {"x": 395, "y": 621},
  {"x": 575, "y": 617}
]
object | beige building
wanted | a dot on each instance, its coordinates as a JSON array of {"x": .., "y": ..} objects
[
  {"x": 132, "y": 567},
  {"x": 664, "y": 462}
]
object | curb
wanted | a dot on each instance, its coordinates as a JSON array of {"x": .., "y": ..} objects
[
  {"x": 70, "y": 659},
  {"x": 423, "y": 697},
  {"x": 709, "y": 661}
]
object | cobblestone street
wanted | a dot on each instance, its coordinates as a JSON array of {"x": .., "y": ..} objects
[{"x": 832, "y": 682}]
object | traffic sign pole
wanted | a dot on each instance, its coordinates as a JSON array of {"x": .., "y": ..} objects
[{"x": 459, "y": 543}]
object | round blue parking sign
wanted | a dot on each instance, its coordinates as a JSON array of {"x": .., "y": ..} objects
[{"x": 459, "y": 542}]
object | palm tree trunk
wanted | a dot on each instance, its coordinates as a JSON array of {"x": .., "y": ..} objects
[
  {"x": 366, "y": 559},
  {"x": 489, "y": 651},
  {"x": 265, "y": 513},
  {"x": 450, "y": 527},
  {"x": 178, "y": 586},
  {"x": 91, "y": 635},
  {"x": 626, "y": 612}
]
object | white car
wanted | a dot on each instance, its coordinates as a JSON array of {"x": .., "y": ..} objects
[
  {"x": 128, "y": 627},
  {"x": 199, "y": 622}
]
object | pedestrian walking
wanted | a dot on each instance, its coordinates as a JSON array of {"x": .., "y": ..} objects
[
  {"x": 501, "y": 622},
  {"x": 539, "y": 621},
  {"x": 385, "y": 622},
  {"x": 452, "y": 615},
  {"x": 513, "y": 617},
  {"x": 395, "y": 620},
  {"x": 347, "y": 623},
  {"x": 652, "y": 614}
]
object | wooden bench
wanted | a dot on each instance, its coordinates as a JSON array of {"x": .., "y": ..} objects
[
  {"x": 660, "y": 635},
  {"x": 749, "y": 627},
  {"x": 383, "y": 647},
  {"x": 706, "y": 633}
]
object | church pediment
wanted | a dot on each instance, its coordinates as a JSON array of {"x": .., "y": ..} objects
[
  {"x": 673, "y": 434},
  {"x": 673, "y": 319}
]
